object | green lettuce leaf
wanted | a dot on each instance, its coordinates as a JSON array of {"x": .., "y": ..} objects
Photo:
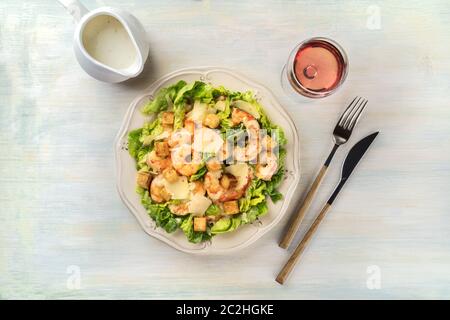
[
  {"x": 134, "y": 143},
  {"x": 179, "y": 111},
  {"x": 272, "y": 185},
  {"x": 254, "y": 203},
  {"x": 220, "y": 91},
  {"x": 189, "y": 93},
  {"x": 221, "y": 226},
  {"x": 142, "y": 157},
  {"x": 255, "y": 194},
  {"x": 197, "y": 90},
  {"x": 226, "y": 224},
  {"x": 160, "y": 213},
  {"x": 136, "y": 148},
  {"x": 235, "y": 223},
  {"x": 254, "y": 212},
  {"x": 224, "y": 116},
  {"x": 277, "y": 134},
  {"x": 150, "y": 131},
  {"x": 212, "y": 210},
  {"x": 164, "y": 97},
  {"x": 199, "y": 174}
]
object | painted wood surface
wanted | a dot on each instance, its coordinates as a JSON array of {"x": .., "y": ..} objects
[{"x": 64, "y": 232}]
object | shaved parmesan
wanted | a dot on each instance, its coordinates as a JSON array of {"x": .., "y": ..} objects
[
  {"x": 220, "y": 105},
  {"x": 240, "y": 171},
  {"x": 199, "y": 204},
  {"x": 178, "y": 189}
]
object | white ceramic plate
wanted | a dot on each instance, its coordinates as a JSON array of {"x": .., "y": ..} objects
[{"x": 126, "y": 168}]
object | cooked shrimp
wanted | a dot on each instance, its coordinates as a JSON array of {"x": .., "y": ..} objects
[
  {"x": 225, "y": 152},
  {"x": 213, "y": 165},
  {"x": 266, "y": 170},
  {"x": 267, "y": 146},
  {"x": 182, "y": 160},
  {"x": 180, "y": 209},
  {"x": 207, "y": 140},
  {"x": 238, "y": 116},
  {"x": 158, "y": 164},
  {"x": 228, "y": 181},
  {"x": 189, "y": 125},
  {"x": 187, "y": 169},
  {"x": 268, "y": 143},
  {"x": 197, "y": 187},
  {"x": 157, "y": 190},
  {"x": 213, "y": 188},
  {"x": 181, "y": 154},
  {"x": 218, "y": 193},
  {"x": 250, "y": 151},
  {"x": 179, "y": 137}
]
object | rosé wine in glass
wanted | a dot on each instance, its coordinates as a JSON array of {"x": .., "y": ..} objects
[{"x": 317, "y": 67}]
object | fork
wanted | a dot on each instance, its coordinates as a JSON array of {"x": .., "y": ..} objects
[{"x": 341, "y": 134}]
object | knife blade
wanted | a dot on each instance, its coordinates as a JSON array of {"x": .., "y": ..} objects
[{"x": 353, "y": 157}]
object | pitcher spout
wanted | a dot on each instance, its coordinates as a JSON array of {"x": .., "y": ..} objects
[{"x": 75, "y": 8}]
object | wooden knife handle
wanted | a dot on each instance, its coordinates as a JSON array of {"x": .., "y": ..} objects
[
  {"x": 290, "y": 264},
  {"x": 298, "y": 218}
]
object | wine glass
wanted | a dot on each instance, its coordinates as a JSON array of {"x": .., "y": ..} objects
[{"x": 316, "y": 68}]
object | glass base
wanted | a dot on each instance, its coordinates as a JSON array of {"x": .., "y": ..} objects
[{"x": 293, "y": 95}]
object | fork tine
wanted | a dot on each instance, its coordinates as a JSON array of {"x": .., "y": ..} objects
[
  {"x": 357, "y": 115},
  {"x": 352, "y": 112},
  {"x": 353, "y": 116},
  {"x": 349, "y": 108},
  {"x": 348, "y": 112}
]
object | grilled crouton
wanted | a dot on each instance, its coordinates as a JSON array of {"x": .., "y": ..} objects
[
  {"x": 167, "y": 118},
  {"x": 162, "y": 149},
  {"x": 143, "y": 179},
  {"x": 211, "y": 120},
  {"x": 200, "y": 224},
  {"x": 231, "y": 207}
]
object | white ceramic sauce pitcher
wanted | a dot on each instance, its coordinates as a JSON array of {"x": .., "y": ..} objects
[{"x": 110, "y": 44}]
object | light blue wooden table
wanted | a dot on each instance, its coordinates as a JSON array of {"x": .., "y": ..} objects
[{"x": 64, "y": 232}]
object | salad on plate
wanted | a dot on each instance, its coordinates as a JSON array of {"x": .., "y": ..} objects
[{"x": 208, "y": 159}]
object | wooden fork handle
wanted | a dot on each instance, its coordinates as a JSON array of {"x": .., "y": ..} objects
[
  {"x": 298, "y": 218},
  {"x": 290, "y": 264}
]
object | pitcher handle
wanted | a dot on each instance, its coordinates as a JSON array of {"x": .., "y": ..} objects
[{"x": 75, "y": 8}]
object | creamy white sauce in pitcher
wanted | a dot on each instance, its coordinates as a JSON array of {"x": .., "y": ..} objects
[{"x": 107, "y": 41}]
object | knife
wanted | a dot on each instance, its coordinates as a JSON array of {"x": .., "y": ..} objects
[{"x": 353, "y": 157}]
